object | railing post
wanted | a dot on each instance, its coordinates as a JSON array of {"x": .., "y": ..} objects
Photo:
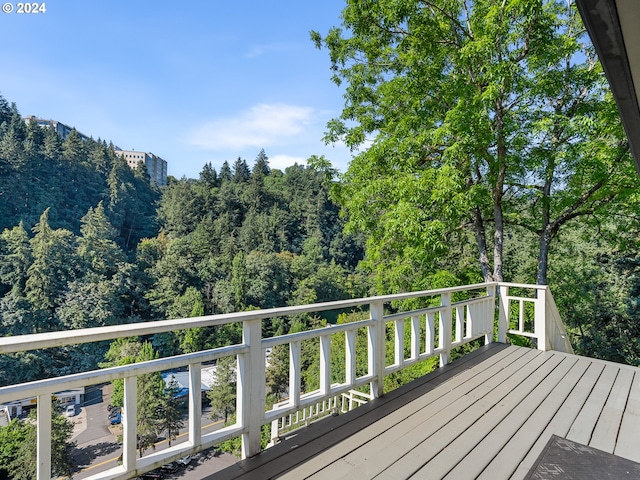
[
  {"x": 325, "y": 364},
  {"x": 43, "y": 471},
  {"x": 398, "y": 355},
  {"x": 445, "y": 328},
  {"x": 294, "y": 373},
  {"x": 430, "y": 332},
  {"x": 377, "y": 354},
  {"x": 275, "y": 431},
  {"x": 415, "y": 337},
  {"x": 540, "y": 318},
  {"x": 129, "y": 415},
  {"x": 489, "y": 314},
  {"x": 195, "y": 404},
  {"x": 251, "y": 379},
  {"x": 503, "y": 313},
  {"x": 350, "y": 357}
]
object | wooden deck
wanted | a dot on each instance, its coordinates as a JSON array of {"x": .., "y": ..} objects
[{"x": 487, "y": 415}]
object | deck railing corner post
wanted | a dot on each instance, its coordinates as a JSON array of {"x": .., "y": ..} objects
[
  {"x": 445, "y": 332},
  {"x": 491, "y": 293},
  {"x": 251, "y": 381},
  {"x": 503, "y": 312},
  {"x": 540, "y": 318}
]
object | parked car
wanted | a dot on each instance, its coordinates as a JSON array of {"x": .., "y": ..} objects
[
  {"x": 115, "y": 419},
  {"x": 70, "y": 411},
  {"x": 170, "y": 467},
  {"x": 184, "y": 461},
  {"x": 152, "y": 476}
]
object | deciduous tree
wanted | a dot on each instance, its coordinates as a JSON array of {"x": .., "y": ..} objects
[{"x": 471, "y": 112}]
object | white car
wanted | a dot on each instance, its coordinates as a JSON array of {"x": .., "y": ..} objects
[{"x": 70, "y": 411}]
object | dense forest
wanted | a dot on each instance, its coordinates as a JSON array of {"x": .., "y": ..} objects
[{"x": 86, "y": 241}]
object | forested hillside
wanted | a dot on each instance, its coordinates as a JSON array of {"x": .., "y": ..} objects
[{"x": 85, "y": 241}]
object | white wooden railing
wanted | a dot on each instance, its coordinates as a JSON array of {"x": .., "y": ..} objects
[
  {"x": 433, "y": 331},
  {"x": 535, "y": 316},
  {"x": 343, "y": 403}
]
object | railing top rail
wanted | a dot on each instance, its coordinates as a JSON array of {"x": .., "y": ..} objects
[
  {"x": 307, "y": 335},
  {"x": 56, "y": 384},
  {"x": 523, "y": 285},
  {"x": 88, "y": 335}
]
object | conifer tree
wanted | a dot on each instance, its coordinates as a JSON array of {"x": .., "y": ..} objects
[
  {"x": 261, "y": 165},
  {"x": 241, "y": 172},
  {"x": 54, "y": 264},
  {"x": 225, "y": 172},
  {"x": 208, "y": 175}
]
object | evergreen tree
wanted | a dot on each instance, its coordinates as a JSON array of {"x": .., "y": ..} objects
[
  {"x": 54, "y": 264},
  {"x": 15, "y": 259},
  {"x": 5, "y": 110},
  {"x": 18, "y": 456},
  {"x": 12, "y": 142},
  {"x": 261, "y": 165},
  {"x": 150, "y": 395},
  {"x": 225, "y": 172},
  {"x": 208, "y": 175},
  {"x": 73, "y": 148},
  {"x": 96, "y": 245},
  {"x": 241, "y": 172},
  {"x": 222, "y": 394},
  {"x": 170, "y": 421},
  {"x": 52, "y": 147}
]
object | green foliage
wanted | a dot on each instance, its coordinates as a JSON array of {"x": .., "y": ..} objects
[
  {"x": 18, "y": 447},
  {"x": 38, "y": 171},
  {"x": 262, "y": 238},
  {"x": 484, "y": 116},
  {"x": 170, "y": 413},
  {"x": 222, "y": 394}
]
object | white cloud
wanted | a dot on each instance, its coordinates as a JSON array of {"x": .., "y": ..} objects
[
  {"x": 283, "y": 161},
  {"x": 263, "y": 125}
]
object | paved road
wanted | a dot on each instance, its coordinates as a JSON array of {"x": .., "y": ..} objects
[{"x": 97, "y": 448}]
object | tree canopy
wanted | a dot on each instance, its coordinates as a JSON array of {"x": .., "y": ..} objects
[{"x": 476, "y": 118}]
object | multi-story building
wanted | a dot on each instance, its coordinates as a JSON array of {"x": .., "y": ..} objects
[
  {"x": 60, "y": 128},
  {"x": 156, "y": 166}
]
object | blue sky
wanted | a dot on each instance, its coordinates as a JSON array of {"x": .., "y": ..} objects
[{"x": 191, "y": 81}]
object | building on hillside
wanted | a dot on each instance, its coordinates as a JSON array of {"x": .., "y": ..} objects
[
  {"x": 60, "y": 128},
  {"x": 156, "y": 166}
]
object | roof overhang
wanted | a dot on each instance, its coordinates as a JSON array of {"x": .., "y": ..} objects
[{"x": 614, "y": 28}]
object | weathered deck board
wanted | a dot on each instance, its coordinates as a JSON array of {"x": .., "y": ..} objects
[
  {"x": 562, "y": 420},
  {"x": 372, "y": 437},
  {"x": 487, "y": 417},
  {"x": 628, "y": 445},
  {"x": 369, "y": 456},
  {"x": 509, "y": 457},
  {"x": 490, "y": 445},
  {"x": 605, "y": 433},
  {"x": 428, "y": 452},
  {"x": 454, "y": 419},
  {"x": 585, "y": 422}
]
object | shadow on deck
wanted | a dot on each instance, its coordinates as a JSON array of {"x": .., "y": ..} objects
[{"x": 487, "y": 415}]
